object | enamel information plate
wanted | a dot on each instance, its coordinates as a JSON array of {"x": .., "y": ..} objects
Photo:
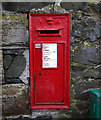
[{"x": 49, "y": 55}]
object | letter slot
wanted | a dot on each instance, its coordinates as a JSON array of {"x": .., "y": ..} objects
[{"x": 49, "y": 32}]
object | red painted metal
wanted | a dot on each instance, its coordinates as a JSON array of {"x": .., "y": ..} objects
[{"x": 50, "y": 87}]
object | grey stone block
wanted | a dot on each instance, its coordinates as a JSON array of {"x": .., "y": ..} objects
[
  {"x": 15, "y": 35},
  {"x": 15, "y": 99},
  {"x": 12, "y": 81},
  {"x": 82, "y": 106},
  {"x": 25, "y": 74},
  {"x": 14, "y": 29},
  {"x": 96, "y": 6},
  {"x": 88, "y": 29},
  {"x": 46, "y": 117},
  {"x": 75, "y": 76},
  {"x": 17, "y": 6},
  {"x": 14, "y": 52},
  {"x": 93, "y": 73},
  {"x": 17, "y": 67},
  {"x": 7, "y": 61},
  {"x": 88, "y": 56},
  {"x": 82, "y": 89},
  {"x": 78, "y": 68},
  {"x": 74, "y": 5}
]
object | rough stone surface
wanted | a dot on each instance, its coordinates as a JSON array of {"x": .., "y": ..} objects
[
  {"x": 27, "y": 118},
  {"x": 13, "y": 51},
  {"x": 25, "y": 75},
  {"x": 78, "y": 68},
  {"x": 46, "y": 9},
  {"x": 82, "y": 89},
  {"x": 49, "y": 117},
  {"x": 1, "y": 66},
  {"x": 82, "y": 106},
  {"x": 84, "y": 110},
  {"x": 17, "y": 6},
  {"x": 14, "y": 29},
  {"x": 100, "y": 83},
  {"x": 93, "y": 73},
  {"x": 74, "y": 5},
  {"x": 52, "y": 8},
  {"x": 13, "y": 80},
  {"x": 88, "y": 56},
  {"x": 17, "y": 67},
  {"x": 7, "y": 61},
  {"x": 87, "y": 29},
  {"x": 75, "y": 76},
  {"x": 15, "y": 99},
  {"x": 14, "y": 60},
  {"x": 0, "y": 101},
  {"x": 15, "y": 35},
  {"x": 96, "y": 6}
]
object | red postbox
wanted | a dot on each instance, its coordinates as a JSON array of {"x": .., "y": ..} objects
[{"x": 49, "y": 41}]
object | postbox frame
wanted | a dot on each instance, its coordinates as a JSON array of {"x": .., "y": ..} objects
[{"x": 66, "y": 103}]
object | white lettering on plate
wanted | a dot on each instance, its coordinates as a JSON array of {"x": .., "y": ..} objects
[{"x": 49, "y": 52}]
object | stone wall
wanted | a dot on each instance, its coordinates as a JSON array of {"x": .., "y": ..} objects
[
  {"x": 85, "y": 58},
  {"x": 1, "y": 62}
]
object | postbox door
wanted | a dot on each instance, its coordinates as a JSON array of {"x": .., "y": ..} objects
[{"x": 49, "y": 73}]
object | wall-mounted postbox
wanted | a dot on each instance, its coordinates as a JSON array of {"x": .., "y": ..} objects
[{"x": 49, "y": 35}]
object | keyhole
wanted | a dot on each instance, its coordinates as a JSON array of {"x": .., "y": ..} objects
[{"x": 39, "y": 74}]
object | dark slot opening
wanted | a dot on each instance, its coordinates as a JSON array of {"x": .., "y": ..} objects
[
  {"x": 62, "y": 101},
  {"x": 49, "y": 31}
]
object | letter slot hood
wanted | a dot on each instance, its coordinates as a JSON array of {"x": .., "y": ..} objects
[{"x": 49, "y": 31}]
